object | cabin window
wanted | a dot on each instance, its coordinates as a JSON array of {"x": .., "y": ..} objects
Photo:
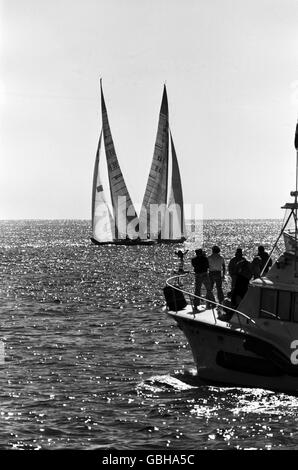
[
  {"x": 268, "y": 304},
  {"x": 280, "y": 305},
  {"x": 284, "y": 305}
]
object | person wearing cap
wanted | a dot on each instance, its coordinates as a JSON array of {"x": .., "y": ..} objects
[
  {"x": 217, "y": 271},
  {"x": 201, "y": 265},
  {"x": 232, "y": 266}
]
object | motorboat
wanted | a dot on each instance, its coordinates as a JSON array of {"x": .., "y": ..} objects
[{"x": 256, "y": 343}]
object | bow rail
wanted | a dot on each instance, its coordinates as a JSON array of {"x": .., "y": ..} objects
[{"x": 215, "y": 305}]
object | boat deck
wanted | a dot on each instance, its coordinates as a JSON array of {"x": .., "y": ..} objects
[{"x": 209, "y": 316}]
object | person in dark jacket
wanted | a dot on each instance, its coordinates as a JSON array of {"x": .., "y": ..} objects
[
  {"x": 201, "y": 266},
  {"x": 243, "y": 276},
  {"x": 232, "y": 266},
  {"x": 256, "y": 265}
]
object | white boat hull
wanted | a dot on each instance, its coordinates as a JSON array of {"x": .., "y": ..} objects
[{"x": 221, "y": 357}]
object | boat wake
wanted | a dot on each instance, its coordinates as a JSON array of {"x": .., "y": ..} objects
[
  {"x": 264, "y": 402},
  {"x": 162, "y": 383}
]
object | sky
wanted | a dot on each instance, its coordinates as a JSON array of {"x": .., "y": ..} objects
[{"x": 231, "y": 71}]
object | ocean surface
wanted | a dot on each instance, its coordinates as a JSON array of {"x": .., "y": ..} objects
[{"x": 93, "y": 362}]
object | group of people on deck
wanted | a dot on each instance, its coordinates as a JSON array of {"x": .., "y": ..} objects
[
  {"x": 241, "y": 271},
  {"x": 210, "y": 271}
]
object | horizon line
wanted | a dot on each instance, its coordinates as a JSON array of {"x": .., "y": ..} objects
[{"x": 187, "y": 220}]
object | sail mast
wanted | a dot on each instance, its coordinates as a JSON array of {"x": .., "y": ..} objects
[
  {"x": 105, "y": 124},
  {"x": 165, "y": 109},
  {"x": 157, "y": 184},
  {"x": 296, "y": 194}
]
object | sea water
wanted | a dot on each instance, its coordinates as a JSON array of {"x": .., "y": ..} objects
[{"x": 93, "y": 362}]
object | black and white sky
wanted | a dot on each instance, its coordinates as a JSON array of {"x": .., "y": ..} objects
[{"x": 231, "y": 69}]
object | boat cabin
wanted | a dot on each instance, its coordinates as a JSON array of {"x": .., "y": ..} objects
[{"x": 274, "y": 297}]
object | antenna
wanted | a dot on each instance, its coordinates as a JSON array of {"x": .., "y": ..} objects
[{"x": 296, "y": 194}]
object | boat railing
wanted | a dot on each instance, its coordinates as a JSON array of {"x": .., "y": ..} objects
[{"x": 215, "y": 306}]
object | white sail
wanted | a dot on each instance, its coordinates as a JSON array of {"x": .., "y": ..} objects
[
  {"x": 157, "y": 185},
  {"x": 102, "y": 220},
  {"x": 124, "y": 212},
  {"x": 177, "y": 227}
]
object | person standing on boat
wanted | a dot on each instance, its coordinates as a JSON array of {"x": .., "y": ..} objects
[
  {"x": 217, "y": 271},
  {"x": 266, "y": 261},
  {"x": 232, "y": 266},
  {"x": 181, "y": 255},
  {"x": 243, "y": 276},
  {"x": 256, "y": 267},
  {"x": 201, "y": 265}
]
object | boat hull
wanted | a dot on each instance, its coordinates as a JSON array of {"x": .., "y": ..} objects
[
  {"x": 171, "y": 242},
  {"x": 125, "y": 242},
  {"x": 221, "y": 357}
]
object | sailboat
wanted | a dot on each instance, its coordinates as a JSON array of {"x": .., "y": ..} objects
[
  {"x": 162, "y": 217},
  {"x": 119, "y": 224}
]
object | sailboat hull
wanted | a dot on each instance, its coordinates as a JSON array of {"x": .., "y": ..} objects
[
  {"x": 125, "y": 242},
  {"x": 171, "y": 241}
]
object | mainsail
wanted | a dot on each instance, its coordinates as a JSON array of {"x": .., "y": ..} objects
[
  {"x": 102, "y": 220},
  {"x": 123, "y": 209},
  {"x": 157, "y": 185},
  {"x": 159, "y": 220}
]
